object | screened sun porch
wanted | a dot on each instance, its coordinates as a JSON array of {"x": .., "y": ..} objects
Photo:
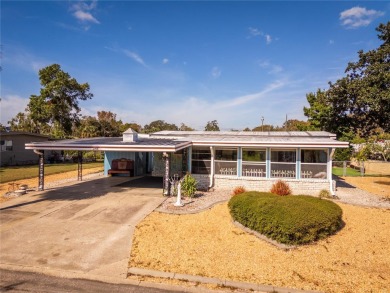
[{"x": 293, "y": 163}]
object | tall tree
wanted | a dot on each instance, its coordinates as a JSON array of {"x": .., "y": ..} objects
[
  {"x": 136, "y": 127},
  {"x": 266, "y": 127},
  {"x": 184, "y": 127},
  {"x": 360, "y": 102},
  {"x": 89, "y": 127},
  {"x": 108, "y": 125},
  {"x": 58, "y": 102},
  {"x": 159, "y": 125},
  {"x": 21, "y": 122},
  {"x": 297, "y": 125},
  {"x": 212, "y": 126}
]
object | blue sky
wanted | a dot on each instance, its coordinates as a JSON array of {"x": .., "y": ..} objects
[{"x": 188, "y": 62}]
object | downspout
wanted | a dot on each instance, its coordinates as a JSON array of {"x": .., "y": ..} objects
[
  {"x": 212, "y": 167},
  {"x": 332, "y": 190},
  {"x": 38, "y": 152}
]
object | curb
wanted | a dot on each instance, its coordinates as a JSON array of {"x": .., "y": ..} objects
[
  {"x": 214, "y": 281},
  {"x": 178, "y": 212}
]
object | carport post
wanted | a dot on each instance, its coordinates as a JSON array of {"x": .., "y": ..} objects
[
  {"x": 41, "y": 170},
  {"x": 80, "y": 166},
  {"x": 166, "y": 174}
]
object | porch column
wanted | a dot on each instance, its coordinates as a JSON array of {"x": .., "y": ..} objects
[
  {"x": 189, "y": 159},
  {"x": 239, "y": 161},
  {"x": 298, "y": 168},
  {"x": 80, "y": 166},
  {"x": 212, "y": 167},
  {"x": 166, "y": 174},
  {"x": 41, "y": 175},
  {"x": 268, "y": 163},
  {"x": 329, "y": 171}
]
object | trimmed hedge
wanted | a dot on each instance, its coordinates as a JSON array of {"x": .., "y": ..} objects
[{"x": 296, "y": 219}]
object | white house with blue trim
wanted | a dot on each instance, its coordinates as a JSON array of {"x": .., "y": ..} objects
[{"x": 223, "y": 159}]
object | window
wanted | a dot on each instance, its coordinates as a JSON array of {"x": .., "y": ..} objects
[
  {"x": 226, "y": 161},
  {"x": 6, "y": 145},
  {"x": 253, "y": 163},
  {"x": 283, "y": 163},
  {"x": 314, "y": 164},
  {"x": 201, "y": 160}
]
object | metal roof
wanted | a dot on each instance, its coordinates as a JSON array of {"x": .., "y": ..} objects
[
  {"x": 255, "y": 134},
  {"x": 112, "y": 144},
  {"x": 14, "y": 133},
  {"x": 256, "y": 139},
  {"x": 172, "y": 141}
]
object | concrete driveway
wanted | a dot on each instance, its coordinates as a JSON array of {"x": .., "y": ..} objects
[{"x": 82, "y": 228}]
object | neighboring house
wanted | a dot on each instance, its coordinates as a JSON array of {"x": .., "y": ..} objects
[
  {"x": 254, "y": 160},
  {"x": 13, "y": 150}
]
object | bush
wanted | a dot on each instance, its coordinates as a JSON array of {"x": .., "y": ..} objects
[
  {"x": 324, "y": 194},
  {"x": 289, "y": 219},
  {"x": 281, "y": 188},
  {"x": 239, "y": 190},
  {"x": 188, "y": 185}
]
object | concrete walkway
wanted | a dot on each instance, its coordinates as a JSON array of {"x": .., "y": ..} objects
[{"x": 83, "y": 228}]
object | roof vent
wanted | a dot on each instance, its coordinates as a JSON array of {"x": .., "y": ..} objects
[{"x": 130, "y": 135}]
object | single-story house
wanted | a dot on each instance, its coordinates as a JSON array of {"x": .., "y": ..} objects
[
  {"x": 13, "y": 151},
  {"x": 223, "y": 159}
]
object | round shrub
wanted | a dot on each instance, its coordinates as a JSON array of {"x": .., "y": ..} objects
[
  {"x": 324, "y": 194},
  {"x": 287, "y": 219},
  {"x": 280, "y": 188},
  {"x": 239, "y": 190}
]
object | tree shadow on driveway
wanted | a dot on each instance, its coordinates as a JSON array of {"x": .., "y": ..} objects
[{"x": 87, "y": 190}]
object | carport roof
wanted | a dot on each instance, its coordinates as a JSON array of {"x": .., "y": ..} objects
[{"x": 144, "y": 144}]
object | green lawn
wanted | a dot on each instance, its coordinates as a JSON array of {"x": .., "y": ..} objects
[
  {"x": 338, "y": 171},
  {"x": 9, "y": 174}
]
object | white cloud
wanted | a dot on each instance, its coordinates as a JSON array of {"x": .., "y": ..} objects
[
  {"x": 255, "y": 32},
  {"x": 238, "y": 101},
  {"x": 82, "y": 5},
  {"x": 165, "y": 61},
  {"x": 356, "y": 17},
  {"x": 272, "y": 68},
  {"x": 10, "y": 106},
  {"x": 83, "y": 12},
  {"x": 85, "y": 16},
  {"x": 268, "y": 39},
  {"x": 137, "y": 58},
  {"x": 215, "y": 72},
  {"x": 25, "y": 60}
]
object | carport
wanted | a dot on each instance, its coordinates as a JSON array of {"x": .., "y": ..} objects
[
  {"x": 131, "y": 143},
  {"x": 84, "y": 228}
]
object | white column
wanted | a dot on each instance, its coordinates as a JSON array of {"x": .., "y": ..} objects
[
  {"x": 212, "y": 171},
  {"x": 329, "y": 170}
]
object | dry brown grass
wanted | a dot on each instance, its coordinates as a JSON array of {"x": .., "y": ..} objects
[
  {"x": 377, "y": 185},
  {"x": 356, "y": 259},
  {"x": 33, "y": 182}
]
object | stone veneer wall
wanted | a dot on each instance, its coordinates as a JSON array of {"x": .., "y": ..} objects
[
  {"x": 303, "y": 186},
  {"x": 203, "y": 181}
]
